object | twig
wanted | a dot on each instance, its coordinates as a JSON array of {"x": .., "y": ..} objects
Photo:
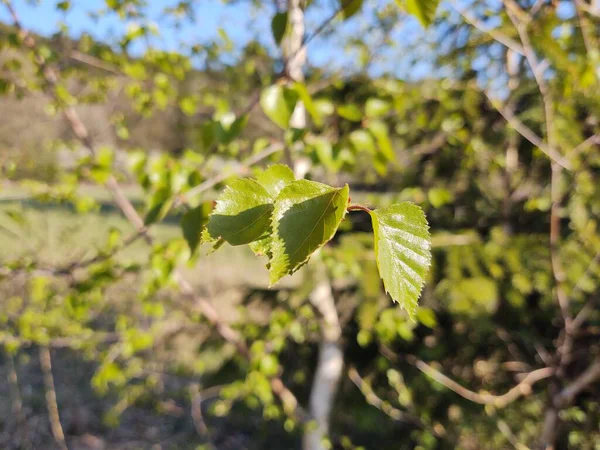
[
  {"x": 51, "y": 403},
  {"x": 494, "y": 34},
  {"x": 17, "y": 401},
  {"x": 373, "y": 400},
  {"x": 528, "y": 134},
  {"x": 500, "y": 401},
  {"x": 197, "y": 417},
  {"x": 95, "y": 62},
  {"x": 586, "y": 378}
]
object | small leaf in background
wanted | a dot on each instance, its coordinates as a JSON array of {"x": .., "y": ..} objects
[
  {"x": 380, "y": 131},
  {"x": 306, "y": 216},
  {"x": 274, "y": 178},
  {"x": 305, "y": 97},
  {"x": 323, "y": 107},
  {"x": 350, "y": 112},
  {"x": 324, "y": 152},
  {"x": 278, "y": 104},
  {"x": 375, "y": 107},
  {"x": 278, "y": 26},
  {"x": 402, "y": 249},
  {"x": 439, "y": 197},
  {"x": 188, "y": 105},
  {"x": 423, "y": 10},
  {"x": 192, "y": 223},
  {"x": 242, "y": 214},
  {"x": 159, "y": 205},
  {"x": 350, "y": 7},
  {"x": 363, "y": 141}
]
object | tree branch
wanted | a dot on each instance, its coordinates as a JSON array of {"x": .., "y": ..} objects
[
  {"x": 528, "y": 134},
  {"x": 51, "y": 403},
  {"x": 500, "y": 401},
  {"x": 586, "y": 378},
  {"x": 373, "y": 400},
  {"x": 498, "y": 36}
]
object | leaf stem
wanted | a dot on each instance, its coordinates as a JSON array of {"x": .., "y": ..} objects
[{"x": 358, "y": 208}]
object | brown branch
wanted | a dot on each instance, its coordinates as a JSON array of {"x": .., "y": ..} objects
[
  {"x": 498, "y": 36},
  {"x": 17, "y": 401},
  {"x": 197, "y": 417},
  {"x": 529, "y": 134},
  {"x": 565, "y": 397},
  {"x": 94, "y": 62},
  {"x": 522, "y": 389},
  {"x": 384, "y": 406},
  {"x": 51, "y": 403}
]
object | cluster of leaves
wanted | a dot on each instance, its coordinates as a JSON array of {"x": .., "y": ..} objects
[{"x": 288, "y": 220}]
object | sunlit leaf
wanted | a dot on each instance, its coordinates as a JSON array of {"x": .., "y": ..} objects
[
  {"x": 350, "y": 7},
  {"x": 278, "y": 26},
  {"x": 192, "y": 223},
  {"x": 278, "y": 103},
  {"x": 402, "y": 249},
  {"x": 423, "y": 10},
  {"x": 350, "y": 112},
  {"x": 242, "y": 213},
  {"x": 274, "y": 178},
  {"x": 306, "y": 216}
]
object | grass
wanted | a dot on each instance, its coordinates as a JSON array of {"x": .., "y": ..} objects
[{"x": 56, "y": 235}]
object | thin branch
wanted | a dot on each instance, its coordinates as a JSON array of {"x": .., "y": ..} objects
[
  {"x": 582, "y": 382},
  {"x": 529, "y": 134},
  {"x": 358, "y": 208},
  {"x": 384, "y": 406},
  {"x": 500, "y": 401},
  {"x": 93, "y": 61},
  {"x": 51, "y": 403},
  {"x": 498, "y": 36},
  {"x": 592, "y": 140},
  {"x": 197, "y": 417},
  {"x": 557, "y": 267},
  {"x": 588, "y": 37},
  {"x": 17, "y": 401}
]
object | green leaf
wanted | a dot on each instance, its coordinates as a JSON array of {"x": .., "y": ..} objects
[
  {"x": 278, "y": 104},
  {"x": 323, "y": 107},
  {"x": 362, "y": 140},
  {"x": 402, "y": 249},
  {"x": 279, "y": 25},
  {"x": 350, "y": 112},
  {"x": 274, "y": 178},
  {"x": 188, "y": 105},
  {"x": 380, "y": 131},
  {"x": 159, "y": 205},
  {"x": 242, "y": 213},
  {"x": 192, "y": 223},
  {"x": 306, "y": 216},
  {"x": 424, "y": 10},
  {"x": 310, "y": 106},
  {"x": 350, "y": 7},
  {"x": 439, "y": 197},
  {"x": 375, "y": 107},
  {"x": 261, "y": 247}
]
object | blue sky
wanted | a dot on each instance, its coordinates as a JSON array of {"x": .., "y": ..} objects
[{"x": 241, "y": 21}]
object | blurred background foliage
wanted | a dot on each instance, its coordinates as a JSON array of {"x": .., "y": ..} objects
[{"x": 488, "y": 118}]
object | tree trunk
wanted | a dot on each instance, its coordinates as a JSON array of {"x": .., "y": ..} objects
[
  {"x": 295, "y": 60},
  {"x": 329, "y": 366}
]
